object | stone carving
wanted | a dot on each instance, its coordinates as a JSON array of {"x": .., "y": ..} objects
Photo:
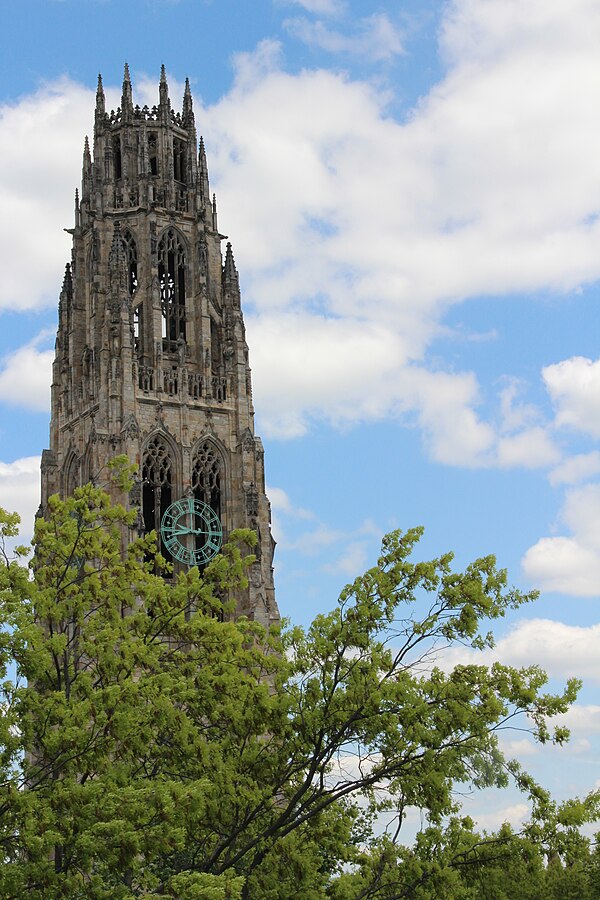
[
  {"x": 131, "y": 429},
  {"x": 252, "y": 500},
  {"x": 248, "y": 441}
]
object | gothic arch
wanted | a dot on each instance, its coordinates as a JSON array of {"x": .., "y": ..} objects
[
  {"x": 178, "y": 234},
  {"x": 209, "y": 471},
  {"x": 172, "y": 280},
  {"x": 71, "y": 474},
  {"x": 88, "y": 463},
  {"x": 130, "y": 250},
  {"x": 160, "y": 465}
]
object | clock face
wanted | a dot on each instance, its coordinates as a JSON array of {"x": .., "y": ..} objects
[{"x": 191, "y": 531}]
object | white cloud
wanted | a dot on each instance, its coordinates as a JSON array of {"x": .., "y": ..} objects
[
  {"x": 346, "y": 550},
  {"x": 311, "y": 543},
  {"x": 453, "y": 432},
  {"x": 279, "y": 499},
  {"x": 574, "y": 386},
  {"x": 564, "y": 651},
  {"x": 20, "y": 491},
  {"x": 518, "y": 747},
  {"x": 351, "y": 562},
  {"x": 570, "y": 565},
  {"x": 532, "y": 448},
  {"x": 374, "y": 37},
  {"x": 491, "y": 820},
  {"x": 576, "y": 468},
  {"x": 25, "y": 377},
  {"x": 581, "y": 719},
  {"x": 282, "y": 508}
]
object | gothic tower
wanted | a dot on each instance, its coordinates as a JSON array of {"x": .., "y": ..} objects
[{"x": 151, "y": 356}]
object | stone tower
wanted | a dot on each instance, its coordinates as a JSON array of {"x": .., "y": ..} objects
[{"x": 151, "y": 356}]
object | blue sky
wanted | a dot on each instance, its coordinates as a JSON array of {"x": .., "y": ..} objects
[{"x": 412, "y": 190}]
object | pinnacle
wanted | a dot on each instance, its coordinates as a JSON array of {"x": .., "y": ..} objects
[
  {"x": 126, "y": 77},
  {"x": 67, "y": 280},
  {"x": 163, "y": 74},
  {"x": 188, "y": 107},
  {"x": 99, "y": 101},
  {"x": 229, "y": 268}
]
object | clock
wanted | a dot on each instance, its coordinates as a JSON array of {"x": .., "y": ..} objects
[{"x": 191, "y": 531}]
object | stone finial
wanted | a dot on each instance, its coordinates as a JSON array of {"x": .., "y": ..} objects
[
  {"x": 67, "y": 284},
  {"x": 229, "y": 269},
  {"x": 203, "y": 185},
  {"x": 163, "y": 93},
  {"x": 188, "y": 107},
  {"x": 86, "y": 178},
  {"x": 100, "y": 104},
  {"x": 127, "y": 96}
]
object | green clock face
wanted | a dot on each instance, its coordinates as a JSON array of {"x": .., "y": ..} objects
[{"x": 191, "y": 531}]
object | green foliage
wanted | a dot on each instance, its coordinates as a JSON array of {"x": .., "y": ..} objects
[{"x": 150, "y": 746}]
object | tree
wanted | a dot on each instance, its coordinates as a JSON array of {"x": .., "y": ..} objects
[{"x": 152, "y": 746}]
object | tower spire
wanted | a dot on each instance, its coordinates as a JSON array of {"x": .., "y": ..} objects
[
  {"x": 86, "y": 171},
  {"x": 188, "y": 107},
  {"x": 126, "y": 97},
  {"x": 203, "y": 173},
  {"x": 100, "y": 105},
  {"x": 229, "y": 269},
  {"x": 230, "y": 279},
  {"x": 163, "y": 93}
]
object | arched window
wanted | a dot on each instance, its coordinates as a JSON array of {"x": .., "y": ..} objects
[
  {"x": 130, "y": 250},
  {"x": 116, "y": 143},
  {"x": 179, "y": 159},
  {"x": 71, "y": 475},
  {"x": 216, "y": 356},
  {"x": 153, "y": 152},
  {"x": 207, "y": 477},
  {"x": 171, "y": 276},
  {"x": 157, "y": 487}
]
